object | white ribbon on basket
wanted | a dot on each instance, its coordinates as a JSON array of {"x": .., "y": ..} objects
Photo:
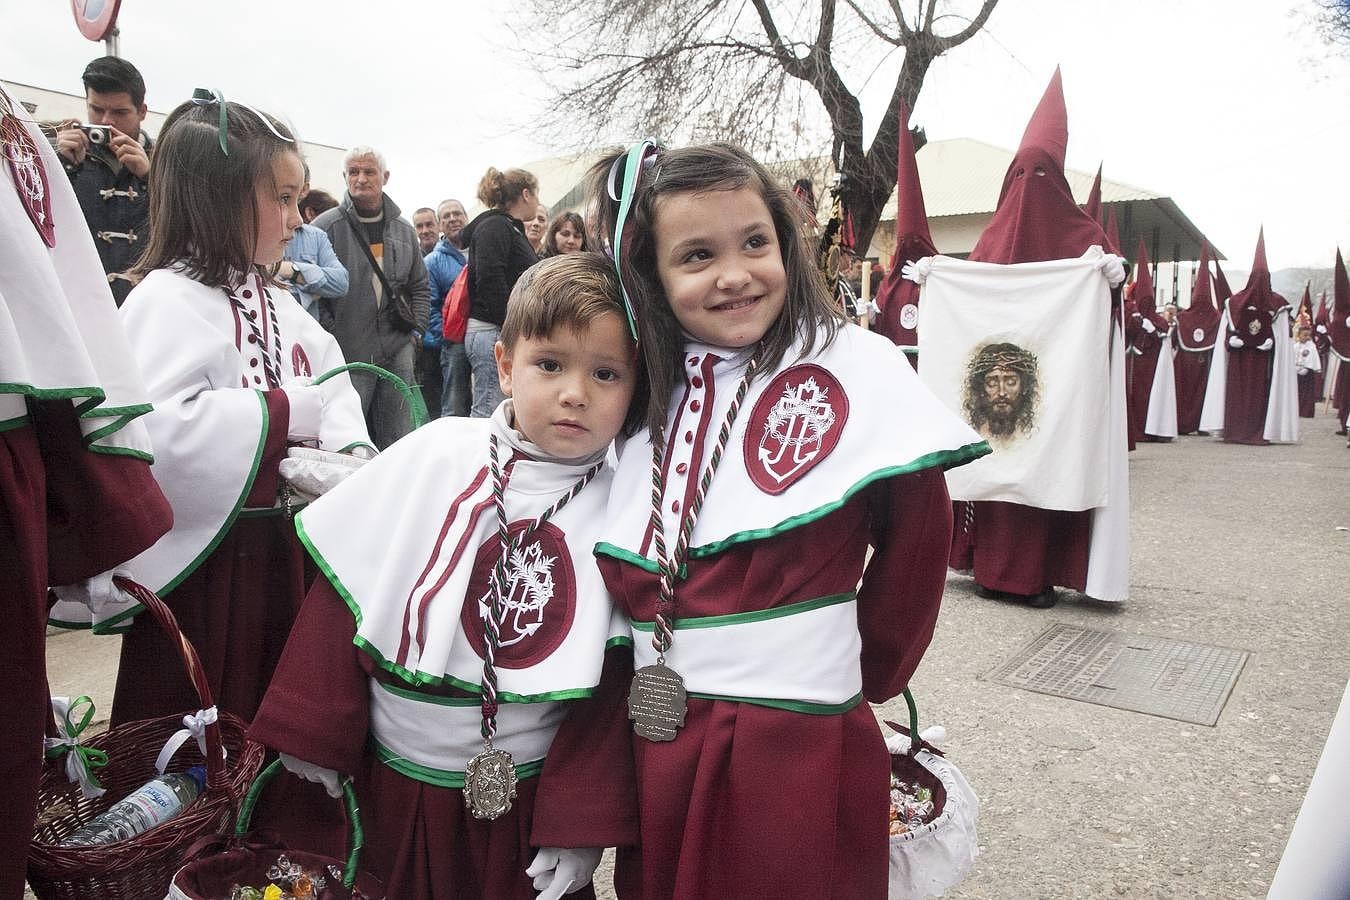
[
  {"x": 78, "y": 764},
  {"x": 194, "y": 726}
]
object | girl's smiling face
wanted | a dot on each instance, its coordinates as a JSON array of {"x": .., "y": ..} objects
[
  {"x": 720, "y": 264},
  {"x": 276, "y": 199}
]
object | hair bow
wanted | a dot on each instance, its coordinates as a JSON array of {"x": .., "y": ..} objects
[
  {"x": 81, "y": 761},
  {"x": 211, "y": 96},
  {"x": 623, "y": 180}
]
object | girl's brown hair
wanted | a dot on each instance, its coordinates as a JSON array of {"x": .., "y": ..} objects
[
  {"x": 203, "y": 204},
  {"x": 551, "y": 236},
  {"x": 500, "y": 189},
  {"x": 808, "y": 312}
]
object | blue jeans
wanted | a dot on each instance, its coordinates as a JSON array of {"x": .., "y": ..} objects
[
  {"x": 487, "y": 393},
  {"x": 455, "y": 376}
]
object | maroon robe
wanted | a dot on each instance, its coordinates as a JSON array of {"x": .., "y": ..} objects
[
  {"x": 1307, "y": 395},
  {"x": 1145, "y": 367},
  {"x": 754, "y": 801},
  {"x": 1248, "y": 392},
  {"x": 236, "y": 607},
  {"x": 66, "y": 514},
  {"x": 1192, "y": 368},
  {"x": 1014, "y": 548},
  {"x": 420, "y": 839},
  {"x": 898, "y": 297}
]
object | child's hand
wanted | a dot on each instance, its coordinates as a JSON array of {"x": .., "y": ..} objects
[{"x": 563, "y": 871}]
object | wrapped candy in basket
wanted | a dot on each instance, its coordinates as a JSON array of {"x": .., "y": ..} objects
[
  {"x": 244, "y": 867},
  {"x": 933, "y": 842}
]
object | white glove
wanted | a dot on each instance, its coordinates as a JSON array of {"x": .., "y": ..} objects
[
  {"x": 314, "y": 473},
  {"x": 1147, "y": 325},
  {"x": 562, "y": 871},
  {"x": 306, "y": 401},
  {"x": 1300, "y": 371},
  {"x": 310, "y": 772},
  {"x": 918, "y": 270},
  {"x": 1321, "y": 329},
  {"x": 1113, "y": 267},
  {"x": 1235, "y": 342},
  {"x": 1266, "y": 344},
  {"x": 101, "y": 598}
]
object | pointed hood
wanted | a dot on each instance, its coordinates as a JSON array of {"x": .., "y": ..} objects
[
  {"x": 1112, "y": 234},
  {"x": 1037, "y": 218},
  {"x": 1093, "y": 207},
  {"x": 897, "y": 297},
  {"x": 1257, "y": 294},
  {"x": 1323, "y": 313},
  {"x": 1303, "y": 315},
  {"x": 1145, "y": 300},
  {"x": 1338, "y": 326},
  {"x": 1198, "y": 324},
  {"x": 1251, "y": 311},
  {"x": 1049, "y": 125},
  {"x": 1221, "y": 289}
]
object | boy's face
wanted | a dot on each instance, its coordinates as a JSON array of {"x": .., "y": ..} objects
[{"x": 571, "y": 389}]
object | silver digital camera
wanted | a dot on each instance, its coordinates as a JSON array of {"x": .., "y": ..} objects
[{"x": 97, "y": 134}]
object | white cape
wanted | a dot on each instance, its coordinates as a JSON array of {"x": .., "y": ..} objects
[
  {"x": 1282, "y": 404},
  {"x": 1162, "y": 397}
]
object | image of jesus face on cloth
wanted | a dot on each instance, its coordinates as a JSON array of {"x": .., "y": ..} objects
[{"x": 1001, "y": 392}]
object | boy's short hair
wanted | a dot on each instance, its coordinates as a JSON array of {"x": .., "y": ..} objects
[
  {"x": 114, "y": 75},
  {"x": 572, "y": 291}
]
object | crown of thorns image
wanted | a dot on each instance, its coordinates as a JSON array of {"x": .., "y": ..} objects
[{"x": 1009, "y": 403}]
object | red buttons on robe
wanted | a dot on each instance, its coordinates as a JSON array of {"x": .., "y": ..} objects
[
  {"x": 248, "y": 294},
  {"x": 681, "y": 468},
  {"x": 257, "y": 380},
  {"x": 253, "y": 339},
  {"x": 675, "y": 507},
  {"x": 693, "y": 360},
  {"x": 698, "y": 381},
  {"x": 695, "y": 406},
  {"x": 253, "y": 362},
  {"x": 688, "y": 437}
]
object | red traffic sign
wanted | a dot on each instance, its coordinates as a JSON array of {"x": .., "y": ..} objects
[{"x": 96, "y": 18}]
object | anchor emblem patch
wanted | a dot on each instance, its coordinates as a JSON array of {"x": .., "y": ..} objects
[{"x": 794, "y": 426}]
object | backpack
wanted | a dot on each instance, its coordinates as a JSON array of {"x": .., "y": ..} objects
[{"x": 455, "y": 310}]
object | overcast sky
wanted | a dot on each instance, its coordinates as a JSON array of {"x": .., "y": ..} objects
[{"x": 1232, "y": 107}]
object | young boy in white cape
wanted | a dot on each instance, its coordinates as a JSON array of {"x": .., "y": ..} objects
[{"x": 462, "y": 658}]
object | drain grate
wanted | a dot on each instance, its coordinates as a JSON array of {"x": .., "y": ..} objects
[{"x": 1158, "y": 676}]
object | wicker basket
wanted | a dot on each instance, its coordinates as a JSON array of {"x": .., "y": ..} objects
[
  {"x": 142, "y": 866},
  {"x": 929, "y": 860},
  {"x": 237, "y": 860}
]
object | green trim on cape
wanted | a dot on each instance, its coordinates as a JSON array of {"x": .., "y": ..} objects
[
  {"x": 798, "y": 706},
  {"x": 945, "y": 459},
  {"x": 408, "y": 675}
]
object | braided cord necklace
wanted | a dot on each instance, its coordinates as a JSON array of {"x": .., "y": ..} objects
[
  {"x": 657, "y": 700},
  {"x": 272, "y": 362},
  {"x": 490, "y": 778}
]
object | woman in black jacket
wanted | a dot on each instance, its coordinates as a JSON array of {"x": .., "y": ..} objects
[{"x": 498, "y": 253}]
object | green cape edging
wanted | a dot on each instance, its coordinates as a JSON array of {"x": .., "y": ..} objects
[
  {"x": 420, "y": 678},
  {"x": 212, "y": 544},
  {"x": 946, "y": 459}
]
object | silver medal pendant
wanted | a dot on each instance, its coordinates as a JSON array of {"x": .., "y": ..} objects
[
  {"x": 490, "y": 784},
  {"x": 657, "y": 702}
]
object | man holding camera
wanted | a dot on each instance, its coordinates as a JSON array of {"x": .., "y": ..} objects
[
  {"x": 108, "y": 161},
  {"x": 384, "y": 315}
]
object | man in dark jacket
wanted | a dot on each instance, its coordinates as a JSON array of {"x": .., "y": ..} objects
[
  {"x": 367, "y": 324},
  {"x": 108, "y": 163}
]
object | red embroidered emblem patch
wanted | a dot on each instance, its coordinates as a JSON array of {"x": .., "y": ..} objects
[
  {"x": 539, "y": 602},
  {"x": 300, "y": 361},
  {"x": 795, "y": 424},
  {"x": 30, "y": 176}
]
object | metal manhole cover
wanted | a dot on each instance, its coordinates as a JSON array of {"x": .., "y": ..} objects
[{"x": 1158, "y": 676}]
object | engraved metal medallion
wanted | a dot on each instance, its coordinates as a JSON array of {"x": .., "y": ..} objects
[
  {"x": 490, "y": 784},
  {"x": 657, "y": 702}
]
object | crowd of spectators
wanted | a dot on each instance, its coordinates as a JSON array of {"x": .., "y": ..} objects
[{"x": 366, "y": 274}]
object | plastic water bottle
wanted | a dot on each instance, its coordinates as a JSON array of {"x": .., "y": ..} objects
[{"x": 154, "y": 802}]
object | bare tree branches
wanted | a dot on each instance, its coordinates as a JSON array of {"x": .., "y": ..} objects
[{"x": 757, "y": 72}]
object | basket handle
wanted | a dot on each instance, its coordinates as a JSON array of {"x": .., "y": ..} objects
[
  {"x": 915, "y": 744},
  {"x": 216, "y": 776},
  {"x": 358, "y": 834},
  {"x": 417, "y": 407}
]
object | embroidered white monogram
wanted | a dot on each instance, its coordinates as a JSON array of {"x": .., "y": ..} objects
[
  {"x": 529, "y": 588},
  {"x": 795, "y": 425}
]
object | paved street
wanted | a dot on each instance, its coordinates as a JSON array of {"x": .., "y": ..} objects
[{"x": 1232, "y": 546}]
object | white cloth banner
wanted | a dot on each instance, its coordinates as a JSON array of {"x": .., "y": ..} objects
[{"x": 1021, "y": 352}]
